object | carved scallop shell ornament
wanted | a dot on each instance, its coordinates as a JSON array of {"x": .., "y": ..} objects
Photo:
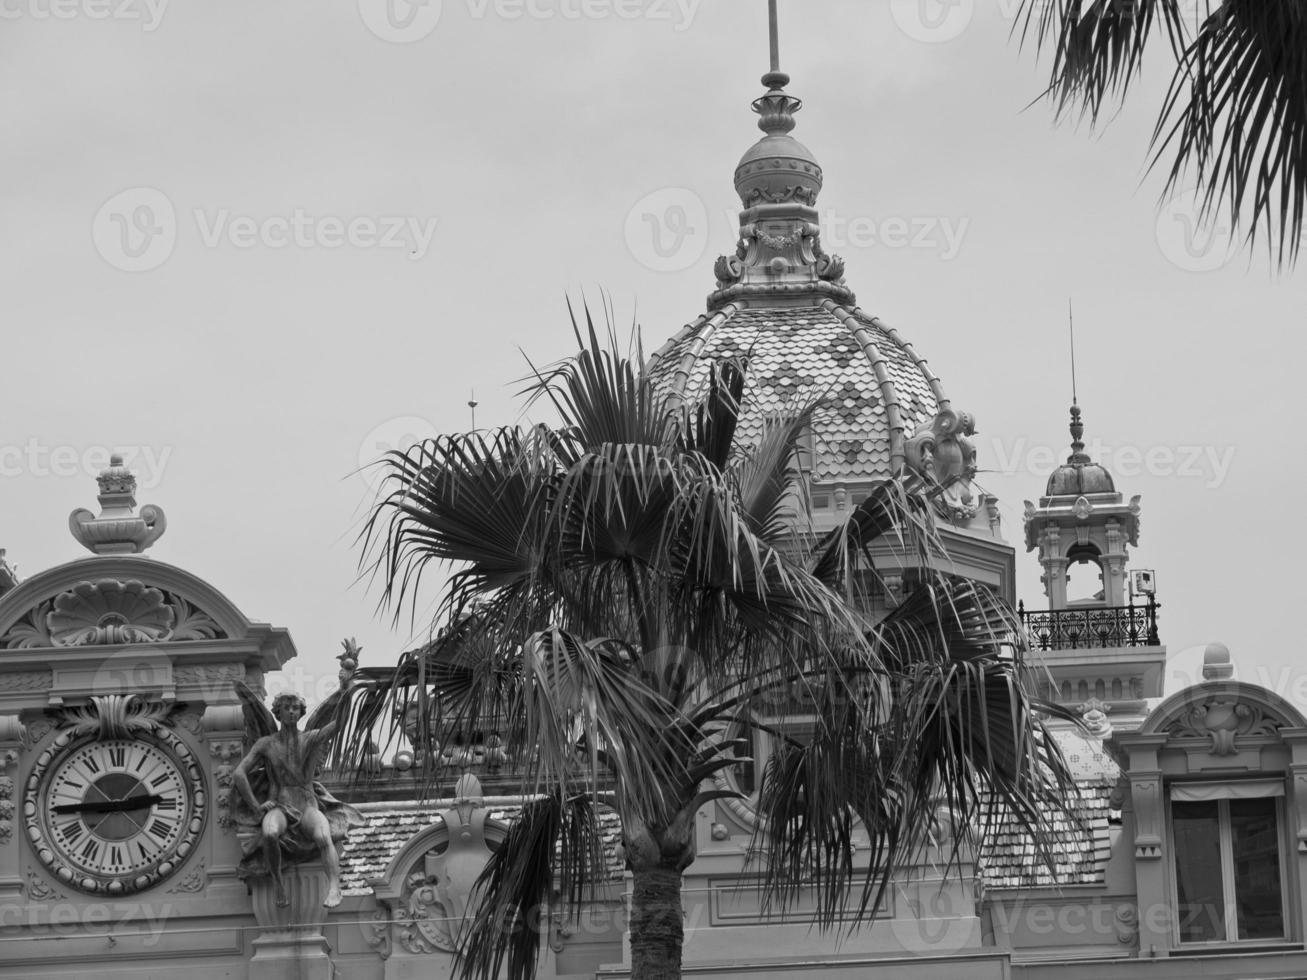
[{"x": 109, "y": 611}]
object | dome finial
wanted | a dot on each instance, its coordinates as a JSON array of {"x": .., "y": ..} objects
[
  {"x": 776, "y": 109},
  {"x": 1077, "y": 438}
]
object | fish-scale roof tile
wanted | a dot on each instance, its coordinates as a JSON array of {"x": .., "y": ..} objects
[
  {"x": 370, "y": 849},
  {"x": 801, "y": 353}
]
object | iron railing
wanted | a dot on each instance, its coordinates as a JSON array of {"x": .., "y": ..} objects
[{"x": 1092, "y": 626}]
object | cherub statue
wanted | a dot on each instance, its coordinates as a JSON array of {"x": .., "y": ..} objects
[{"x": 297, "y": 819}]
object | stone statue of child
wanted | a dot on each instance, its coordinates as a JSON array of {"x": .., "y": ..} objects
[{"x": 297, "y": 818}]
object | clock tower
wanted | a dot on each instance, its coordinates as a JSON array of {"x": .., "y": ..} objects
[{"x": 119, "y": 731}]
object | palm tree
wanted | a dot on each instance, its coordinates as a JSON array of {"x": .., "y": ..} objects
[
  {"x": 1236, "y": 110},
  {"x": 625, "y": 586}
]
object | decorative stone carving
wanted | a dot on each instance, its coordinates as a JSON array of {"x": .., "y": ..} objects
[
  {"x": 1094, "y": 714},
  {"x": 114, "y": 716},
  {"x": 434, "y": 902},
  {"x": 26, "y": 680},
  {"x": 1223, "y": 721},
  {"x": 8, "y": 574},
  {"x": 41, "y": 890},
  {"x": 13, "y": 735},
  {"x": 942, "y": 453},
  {"x": 377, "y": 932},
  {"x": 1126, "y": 924},
  {"x": 118, "y": 530},
  {"x": 1147, "y": 798},
  {"x": 38, "y": 730},
  {"x": 228, "y": 752},
  {"x": 779, "y": 252},
  {"x": 108, "y": 611},
  {"x": 6, "y": 809},
  {"x": 208, "y": 675},
  {"x": 96, "y": 613},
  {"x": 194, "y": 881}
]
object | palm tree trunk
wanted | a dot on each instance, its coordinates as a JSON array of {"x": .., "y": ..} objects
[{"x": 657, "y": 926}]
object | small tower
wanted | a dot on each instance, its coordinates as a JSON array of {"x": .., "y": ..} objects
[
  {"x": 1082, "y": 519},
  {"x": 1100, "y": 655}
]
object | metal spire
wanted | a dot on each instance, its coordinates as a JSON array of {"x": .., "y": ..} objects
[
  {"x": 1077, "y": 456},
  {"x": 1071, "y": 321},
  {"x": 472, "y": 404},
  {"x": 774, "y": 33}
]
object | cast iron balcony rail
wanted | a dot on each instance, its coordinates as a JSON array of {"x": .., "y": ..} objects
[{"x": 1088, "y": 627}]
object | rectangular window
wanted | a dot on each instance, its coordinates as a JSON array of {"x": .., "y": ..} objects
[{"x": 1227, "y": 867}]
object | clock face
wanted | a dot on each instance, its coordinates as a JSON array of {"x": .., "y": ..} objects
[{"x": 115, "y": 815}]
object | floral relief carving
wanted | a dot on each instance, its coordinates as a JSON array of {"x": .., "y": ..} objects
[
  {"x": 1127, "y": 925},
  {"x": 194, "y": 881},
  {"x": 228, "y": 752},
  {"x": 109, "y": 611},
  {"x": 6, "y": 809},
  {"x": 40, "y": 889},
  {"x": 1223, "y": 721}
]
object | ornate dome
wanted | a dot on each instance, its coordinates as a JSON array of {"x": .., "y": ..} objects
[
  {"x": 781, "y": 301},
  {"x": 874, "y": 385},
  {"x": 1079, "y": 475}
]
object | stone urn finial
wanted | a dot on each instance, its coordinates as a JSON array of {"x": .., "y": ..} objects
[{"x": 118, "y": 530}]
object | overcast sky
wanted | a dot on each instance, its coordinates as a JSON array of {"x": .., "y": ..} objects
[{"x": 255, "y": 243}]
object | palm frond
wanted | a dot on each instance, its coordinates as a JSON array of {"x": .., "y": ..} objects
[
  {"x": 473, "y": 501},
  {"x": 549, "y": 863},
  {"x": 1235, "y": 114},
  {"x": 772, "y": 492}
]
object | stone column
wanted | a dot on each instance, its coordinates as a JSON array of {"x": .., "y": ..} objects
[{"x": 291, "y": 943}]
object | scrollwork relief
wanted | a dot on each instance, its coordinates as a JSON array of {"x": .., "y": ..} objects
[{"x": 1223, "y": 721}]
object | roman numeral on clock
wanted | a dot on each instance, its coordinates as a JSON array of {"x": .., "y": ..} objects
[{"x": 162, "y": 828}]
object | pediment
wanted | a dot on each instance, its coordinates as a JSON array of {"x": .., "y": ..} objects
[
  {"x": 1220, "y": 714},
  {"x": 117, "y": 600}
]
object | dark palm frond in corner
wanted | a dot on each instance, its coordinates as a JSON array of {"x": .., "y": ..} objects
[{"x": 1235, "y": 115}]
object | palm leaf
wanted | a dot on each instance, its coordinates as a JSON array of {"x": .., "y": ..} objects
[{"x": 1235, "y": 115}]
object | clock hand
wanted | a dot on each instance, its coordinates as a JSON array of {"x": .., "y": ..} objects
[{"x": 109, "y": 806}]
